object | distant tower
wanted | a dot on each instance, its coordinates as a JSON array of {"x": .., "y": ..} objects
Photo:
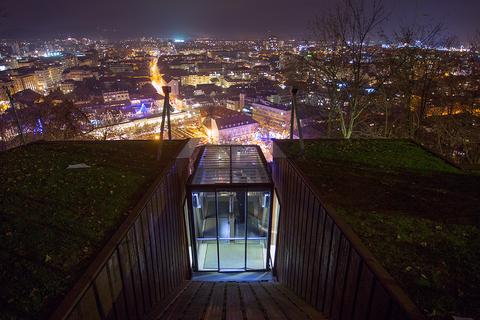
[
  {"x": 241, "y": 102},
  {"x": 16, "y": 49},
  {"x": 271, "y": 44}
]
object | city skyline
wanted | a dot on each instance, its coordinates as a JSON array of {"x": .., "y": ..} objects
[{"x": 214, "y": 18}]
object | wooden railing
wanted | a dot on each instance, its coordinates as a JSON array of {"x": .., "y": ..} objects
[
  {"x": 144, "y": 261},
  {"x": 323, "y": 261}
]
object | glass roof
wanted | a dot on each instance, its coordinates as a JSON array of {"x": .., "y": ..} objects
[{"x": 225, "y": 164}]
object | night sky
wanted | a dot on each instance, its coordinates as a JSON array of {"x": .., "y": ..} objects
[{"x": 221, "y": 18}]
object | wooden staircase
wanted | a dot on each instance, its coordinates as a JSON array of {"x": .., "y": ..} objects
[{"x": 235, "y": 301}]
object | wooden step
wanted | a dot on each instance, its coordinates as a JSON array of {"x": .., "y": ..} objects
[{"x": 236, "y": 301}]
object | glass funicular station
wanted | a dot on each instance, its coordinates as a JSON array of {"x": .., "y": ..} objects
[{"x": 230, "y": 210}]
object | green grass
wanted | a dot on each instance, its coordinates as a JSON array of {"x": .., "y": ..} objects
[
  {"x": 53, "y": 220},
  {"x": 437, "y": 264},
  {"x": 416, "y": 213},
  {"x": 384, "y": 154}
]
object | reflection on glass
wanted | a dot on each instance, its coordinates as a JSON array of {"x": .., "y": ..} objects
[
  {"x": 257, "y": 229},
  {"x": 205, "y": 228},
  {"x": 275, "y": 214},
  {"x": 231, "y": 229}
]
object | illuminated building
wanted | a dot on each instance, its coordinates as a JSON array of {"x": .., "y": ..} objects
[
  {"x": 271, "y": 43},
  {"x": 236, "y": 105},
  {"x": 223, "y": 125},
  {"x": 49, "y": 78},
  {"x": 198, "y": 78},
  {"x": 273, "y": 115},
  {"x": 67, "y": 86},
  {"x": 116, "y": 96},
  {"x": 25, "y": 81},
  {"x": 80, "y": 73}
]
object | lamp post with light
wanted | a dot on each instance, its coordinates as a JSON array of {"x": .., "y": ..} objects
[
  {"x": 293, "y": 115},
  {"x": 165, "y": 113}
]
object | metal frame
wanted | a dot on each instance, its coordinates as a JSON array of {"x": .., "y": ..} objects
[{"x": 233, "y": 187}]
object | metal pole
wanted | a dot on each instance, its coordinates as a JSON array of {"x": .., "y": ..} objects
[
  {"x": 12, "y": 105},
  {"x": 162, "y": 126},
  {"x": 167, "y": 91},
  {"x": 292, "y": 115},
  {"x": 295, "y": 109}
]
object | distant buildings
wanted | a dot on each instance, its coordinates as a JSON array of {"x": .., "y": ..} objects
[
  {"x": 224, "y": 125},
  {"x": 116, "y": 96},
  {"x": 80, "y": 73},
  {"x": 270, "y": 114}
]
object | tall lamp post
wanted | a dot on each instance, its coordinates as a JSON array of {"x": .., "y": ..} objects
[
  {"x": 293, "y": 116},
  {"x": 17, "y": 119},
  {"x": 165, "y": 113}
]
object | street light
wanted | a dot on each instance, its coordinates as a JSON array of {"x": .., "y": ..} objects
[
  {"x": 165, "y": 112},
  {"x": 294, "y": 114}
]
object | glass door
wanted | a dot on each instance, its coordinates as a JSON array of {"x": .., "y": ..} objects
[
  {"x": 205, "y": 230},
  {"x": 231, "y": 230},
  {"x": 258, "y": 212}
]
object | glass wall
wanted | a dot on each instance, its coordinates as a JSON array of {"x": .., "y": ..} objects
[
  {"x": 257, "y": 229},
  {"x": 274, "y": 233},
  {"x": 205, "y": 229},
  {"x": 231, "y": 229}
]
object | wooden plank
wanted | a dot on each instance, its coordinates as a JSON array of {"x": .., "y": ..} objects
[
  {"x": 152, "y": 231},
  {"x": 324, "y": 262},
  {"x": 142, "y": 264},
  {"x": 126, "y": 274},
  {"x": 147, "y": 246},
  {"x": 196, "y": 308},
  {"x": 214, "y": 309},
  {"x": 175, "y": 310},
  {"x": 161, "y": 307},
  {"x": 342, "y": 269},
  {"x": 364, "y": 293},
  {"x": 353, "y": 273},
  {"x": 312, "y": 249},
  {"x": 233, "y": 306},
  {"x": 252, "y": 308},
  {"x": 380, "y": 305},
  {"x": 311, "y": 312},
  {"x": 308, "y": 244},
  {"x": 298, "y": 235},
  {"x": 303, "y": 244},
  {"x": 268, "y": 304},
  {"x": 318, "y": 256},
  {"x": 159, "y": 243},
  {"x": 287, "y": 307},
  {"x": 332, "y": 269}
]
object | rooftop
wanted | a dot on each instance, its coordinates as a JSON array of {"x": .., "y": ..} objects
[
  {"x": 231, "y": 164},
  {"x": 416, "y": 213},
  {"x": 53, "y": 220}
]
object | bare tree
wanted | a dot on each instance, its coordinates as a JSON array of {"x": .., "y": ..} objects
[
  {"x": 417, "y": 65},
  {"x": 343, "y": 64}
]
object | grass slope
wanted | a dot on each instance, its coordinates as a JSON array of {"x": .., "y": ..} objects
[
  {"x": 53, "y": 220},
  {"x": 417, "y": 214}
]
